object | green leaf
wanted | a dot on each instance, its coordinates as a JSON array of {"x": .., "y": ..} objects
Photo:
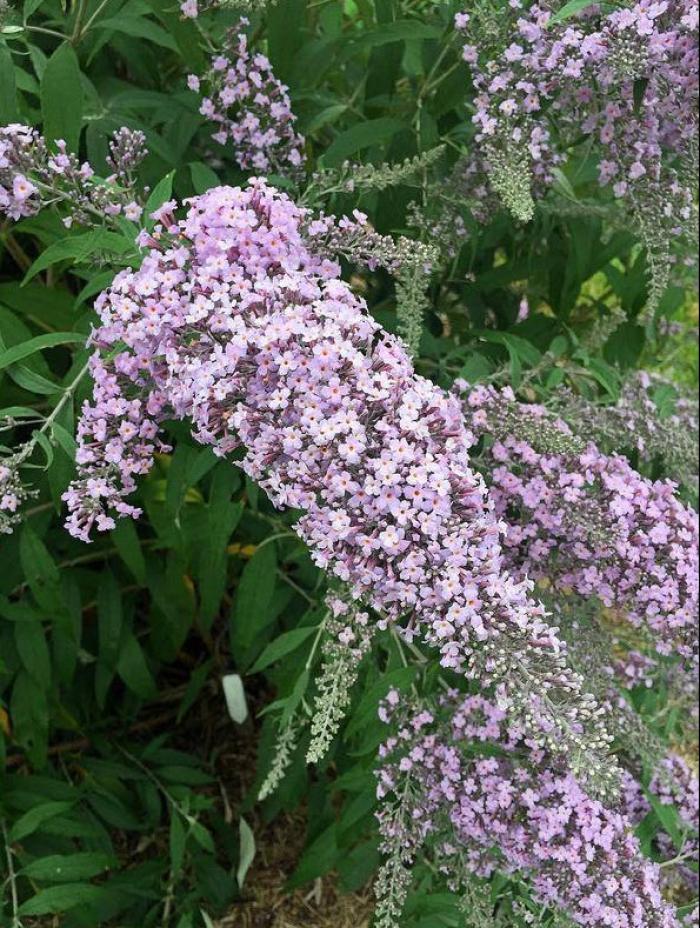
[
  {"x": 295, "y": 699},
  {"x": 403, "y": 30},
  {"x": 203, "y": 177},
  {"x": 40, "y": 570},
  {"x": 572, "y": 8},
  {"x": 33, "y": 382},
  {"x": 78, "y": 248},
  {"x": 8, "y": 87},
  {"x": 178, "y": 842},
  {"x": 62, "y": 97},
  {"x": 64, "y": 438},
  {"x": 236, "y": 703},
  {"x": 285, "y": 20},
  {"x": 327, "y": 116},
  {"x": 17, "y": 412},
  {"x": 109, "y": 620},
  {"x": 203, "y": 838},
  {"x": 223, "y": 518},
  {"x": 33, "y": 650},
  {"x": 362, "y": 135},
  {"x": 127, "y": 543},
  {"x": 282, "y": 646},
  {"x": 39, "y": 343},
  {"x": 65, "y": 868},
  {"x": 133, "y": 668},
  {"x": 194, "y": 687},
  {"x": 141, "y": 28},
  {"x": 184, "y": 31},
  {"x": 33, "y": 820},
  {"x": 61, "y": 899},
  {"x": 29, "y": 711},
  {"x": 670, "y": 819},
  {"x": 252, "y": 609},
  {"x": 247, "y": 852},
  {"x": 318, "y": 859},
  {"x": 160, "y": 194}
]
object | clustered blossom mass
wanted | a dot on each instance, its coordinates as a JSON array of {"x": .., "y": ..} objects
[
  {"x": 590, "y": 523},
  {"x": 252, "y": 109},
  {"x": 627, "y": 79},
  {"x": 513, "y": 808},
  {"x": 233, "y": 322}
]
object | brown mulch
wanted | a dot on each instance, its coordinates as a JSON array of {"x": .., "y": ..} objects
[{"x": 268, "y": 905}]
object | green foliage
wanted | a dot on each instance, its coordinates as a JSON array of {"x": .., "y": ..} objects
[{"x": 118, "y": 662}]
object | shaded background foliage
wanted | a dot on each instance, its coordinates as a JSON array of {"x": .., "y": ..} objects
[{"x": 118, "y": 661}]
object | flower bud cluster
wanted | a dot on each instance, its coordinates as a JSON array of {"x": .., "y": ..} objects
[
  {"x": 33, "y": 177},
  {"x": 348, "y": 639},
  {"x": 127, "y": 149}
]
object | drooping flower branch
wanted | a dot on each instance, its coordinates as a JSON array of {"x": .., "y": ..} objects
[
  {"x": 461, "y": 780},
  {"x": 588, "y": 521},
  {"x": 233, "y": 322}
]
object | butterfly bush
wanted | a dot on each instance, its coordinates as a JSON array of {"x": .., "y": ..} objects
[
  {"x": 32, "y": 177},
  {"x": 233, "y": 322},
  {"x": 627, "y": 80},
  {"x": 470, "y": 785},
  {"x": 589, "y": 522},
  {"x": 251, "y": 108}
]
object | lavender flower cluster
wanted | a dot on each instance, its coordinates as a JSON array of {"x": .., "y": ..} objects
[
  {"x": 626, "y": 79},
  {"x": 233, "y": 322},
  {"x": 476, "y": 790},
  {"x": 589, "y": 522},
  {"x": 251, "y": 108},
  {"x": 33, "y": 177}
]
